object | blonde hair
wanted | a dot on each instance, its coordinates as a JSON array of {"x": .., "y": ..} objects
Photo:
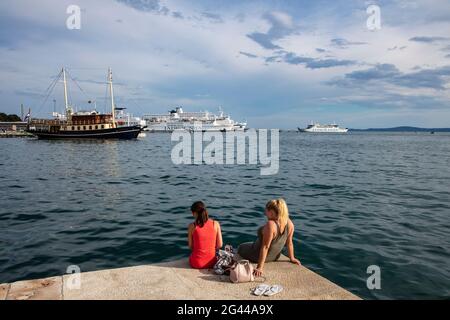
[{"x": 279, "y": 207}]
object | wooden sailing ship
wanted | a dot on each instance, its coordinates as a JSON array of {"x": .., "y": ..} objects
[{"x": 83, "y": 125}]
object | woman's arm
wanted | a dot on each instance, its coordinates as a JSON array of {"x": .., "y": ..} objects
[
  {"x": 190, "y": 231},
  {"x": 268, "y": 232},
  {"x": 290, "y": 244},
  {"x": 219, "y": 242}
]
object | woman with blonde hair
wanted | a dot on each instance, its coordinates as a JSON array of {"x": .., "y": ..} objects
[{"x": 272, "y": 237}]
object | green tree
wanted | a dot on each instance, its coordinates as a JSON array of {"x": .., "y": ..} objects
[
  {"x": 9, "y": 118},
  {"x": 14, "y": 118}
]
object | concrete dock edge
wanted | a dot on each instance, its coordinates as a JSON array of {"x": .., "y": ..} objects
[{"x": 175, "y": 280}]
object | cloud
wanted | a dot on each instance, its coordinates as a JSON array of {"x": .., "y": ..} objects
[
  {"x": 308, "y": 62},
  {"x": 396, "y": 48},
  {"x": 184, "y": 50},
  {"x": 389, "y": 100},
  {"x": 146, "y": 5},
  {"x": 428, "y": 78},
  {"x": 390, "y": 74},
  {"x": 429, "y": 39},
  {"x": 240, "y": 17},
  {"x": 164, "y": 10},
  {"x": 380, "y": 71},
  {"x": 344, "y": 43},
  {"x": 29, "y": 93},
  {"x": 281, "y": 26},
  {"x": 328, "y": 63},
  {"x": 216, "y": 18},
  {"x": 177, "y": 14},
  {"x": 249, "y": 55},
  {"x": 263, "y": 40}
]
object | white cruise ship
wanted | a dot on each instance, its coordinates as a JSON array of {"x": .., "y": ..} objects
[
  {"x": 323, "y": 128},
  {"x": 192, "y": 121}
]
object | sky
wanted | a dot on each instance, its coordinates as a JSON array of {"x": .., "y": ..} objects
[{"x": 275, "y": 64}]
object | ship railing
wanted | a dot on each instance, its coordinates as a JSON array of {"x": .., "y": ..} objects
[{"x": 47, "y": 122}]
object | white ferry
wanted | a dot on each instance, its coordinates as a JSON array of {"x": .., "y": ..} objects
[
  {"x": 323, "y": 128},
  {"x": 192, "y": 121}
]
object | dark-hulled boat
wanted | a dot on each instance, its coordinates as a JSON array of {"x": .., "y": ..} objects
[{"x": 83, "y": 125}]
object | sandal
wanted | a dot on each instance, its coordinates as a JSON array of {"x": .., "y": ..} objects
[
  {"x": 260, "y": 290},
  {"x": 273, "y": 290}
]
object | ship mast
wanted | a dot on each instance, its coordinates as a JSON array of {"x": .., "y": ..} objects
[
  {"x": 65, "y": 90},
  {"x": 113, "y": 109}
]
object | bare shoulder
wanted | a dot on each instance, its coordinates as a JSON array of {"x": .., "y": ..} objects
[
  {"x": 216, "y": 224},
  {"x": 271, "y": 226},
  {"x": 291, "y": 225},
  {"x": 191, "y": 226}
]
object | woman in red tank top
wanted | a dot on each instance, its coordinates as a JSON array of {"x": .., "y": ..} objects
[{"x": 205, "y": 237}]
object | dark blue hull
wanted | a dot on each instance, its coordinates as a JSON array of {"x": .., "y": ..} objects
[{"x": 125, "y": 133}]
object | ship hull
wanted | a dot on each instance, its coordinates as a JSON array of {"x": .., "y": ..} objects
[
  {"x": 323, "y": 131},
  {"x": 157, "y": 129},
  {"x": 123, "y": 133}
]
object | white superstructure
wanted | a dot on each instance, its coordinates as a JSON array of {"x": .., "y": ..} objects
[
  {"x": 324, "y": 128},
  {"x": 193, "y": 121},
  {"x": 125, "y": 119}
]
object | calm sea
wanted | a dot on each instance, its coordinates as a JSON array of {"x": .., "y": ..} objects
[{"x": 356, "y": 200}]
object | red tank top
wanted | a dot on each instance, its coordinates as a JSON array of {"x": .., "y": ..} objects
[{"x": 203, "y": 254}]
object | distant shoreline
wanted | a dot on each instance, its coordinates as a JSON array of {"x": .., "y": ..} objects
[{"x": 403, "y": 129}]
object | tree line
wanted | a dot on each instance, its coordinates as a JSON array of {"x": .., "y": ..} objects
[{"x": 9, "y": 117}]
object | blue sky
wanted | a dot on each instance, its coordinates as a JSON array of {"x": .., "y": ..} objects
[{"x": 276, "y": 64}]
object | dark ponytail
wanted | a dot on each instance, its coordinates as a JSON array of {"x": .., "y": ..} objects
[{"x": 202, "y": 214}]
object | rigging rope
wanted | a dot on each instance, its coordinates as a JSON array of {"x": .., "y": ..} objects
[
  {"x": 138, "y": 106},
  {"x": 49, "y": 90},
  {"x": 52, "y": 85},
  {"x": 79, "y": 87}
]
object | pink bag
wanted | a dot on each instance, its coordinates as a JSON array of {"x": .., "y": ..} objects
[{"x": 242, "y": 272}]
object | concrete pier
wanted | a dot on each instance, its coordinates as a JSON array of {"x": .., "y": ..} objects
[
  {"x": 175, "y": 280},
  {"x": 15, "y": 134}
]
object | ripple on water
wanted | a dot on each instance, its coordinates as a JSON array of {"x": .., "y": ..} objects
[{"x": 30, "y": 217}]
